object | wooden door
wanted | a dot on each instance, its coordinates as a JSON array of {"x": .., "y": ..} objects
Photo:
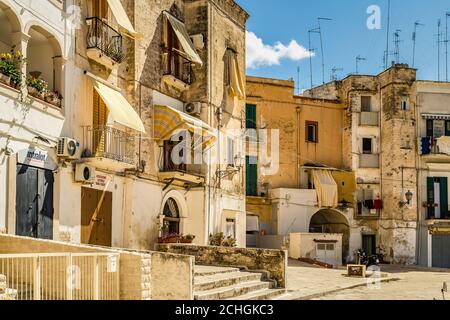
[
  {"x": 96, "y": 217},
  {"x": 34, "y": 202},
  {"x": 99, "y": 120}
]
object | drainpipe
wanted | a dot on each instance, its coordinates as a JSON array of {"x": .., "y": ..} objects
[{"x": 298, "y": 110}]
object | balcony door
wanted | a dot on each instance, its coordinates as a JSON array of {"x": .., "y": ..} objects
[
  {"x": 99, "y": 9},
  {"x": 437, "y": 198}
]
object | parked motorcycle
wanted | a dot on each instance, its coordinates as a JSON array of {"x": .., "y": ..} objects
[{"x": 363, "y": 259}]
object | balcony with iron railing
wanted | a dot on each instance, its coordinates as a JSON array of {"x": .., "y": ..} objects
[
  {"x": 111, "y": 146},
  {"x": 177, "y": 69},
  {"x": 434, "y": 148},
  {"x": 104, "y": 43},
  {"x": 171, "y": 170}
]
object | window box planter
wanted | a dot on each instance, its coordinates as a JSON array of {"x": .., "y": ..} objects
[
  {"x": 53, "y": 100},
  {"x": 35, "y": 93},
  {"x": 169, "y": 240}
]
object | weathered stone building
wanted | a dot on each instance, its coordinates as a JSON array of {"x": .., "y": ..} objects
[
  {"x": 132, "y": 73},
  {"x": 379, "y": 145}
]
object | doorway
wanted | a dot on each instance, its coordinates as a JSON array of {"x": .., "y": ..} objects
[
  {"x": 34, "y": 202},
  {"x": 96, "y": 217},
  {"x": 369, "y": 244}
]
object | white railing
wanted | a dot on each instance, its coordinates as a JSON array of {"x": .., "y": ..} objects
[{"x": 62, "y": 276}]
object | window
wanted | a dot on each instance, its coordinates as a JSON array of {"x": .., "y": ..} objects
[
  {"x": 250, "y": 121},
  {"x": 312, "y": 132},
  {"x": 404, "y": 104},
  {"x": 99, "y": 9},
  {"x": 230, "y": 151},
  {"x": 231, "y": 228},
  {"x": 251, "y": 176},
  {"x": 171, "y": 217},
  {"x": 437, "y": 198},
  {"x": 366, "y": 104},
  {"x": 367, "y": 145},
  {"x": 438, "y": 128}
]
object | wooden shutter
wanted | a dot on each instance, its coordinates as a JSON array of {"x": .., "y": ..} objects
[
  {"x": 252, "y": 176},
  {"x": 250, "y": 116},
  {"x": 99, "y": 120},
  {"x": 429, "y": 128},
  {"x": 447, "y": 128},
  {"x": 430, "y": 196},
  {"x": 444, "y": 197}
]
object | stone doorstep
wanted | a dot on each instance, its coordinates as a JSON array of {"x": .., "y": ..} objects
[
  {"x": 294, "y": 296},
  {"x": 209, "y": 271},
  {"x": 231, "y": 291},
  {"x": 224, "y": 280}
]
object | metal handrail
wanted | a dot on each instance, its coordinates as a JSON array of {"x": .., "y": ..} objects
[{"x": 103, "y": 37}]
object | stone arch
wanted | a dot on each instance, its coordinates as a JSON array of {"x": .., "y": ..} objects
[
  {"x": 10, "y": 24},
  {"x": 332, "y": 221},
  {"x": 44, "y": 55},
  {"x": 180, "y": 200}
]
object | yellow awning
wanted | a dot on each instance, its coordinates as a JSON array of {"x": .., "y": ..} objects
[
  {"x": 168, "y": 120},
  {"x": 326, "y": 187},
  {"x": 120, "y": 109},
  {"x": 185, "y": 40},
  {"x": 237, "y": 87},
  {"x": 122, "y": 18}
]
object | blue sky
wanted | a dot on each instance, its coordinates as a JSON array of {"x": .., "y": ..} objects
[{"x": 277, "y": 23}]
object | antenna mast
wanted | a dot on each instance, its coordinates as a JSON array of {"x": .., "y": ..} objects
[
  {"x": 315, "y": 30},
  {"x": 387, "y": 36},
  {"x": 358, "y": 59},
  {"x": 334, "y": 73},
  {"x": 414, "y": 38},
  {"x": 321, "y": 46},
  {"x": 447, "y": 16},
  {"x": 397, "y": 45}
]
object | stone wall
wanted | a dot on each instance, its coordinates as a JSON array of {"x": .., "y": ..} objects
[
  {"x": 143, "y": 275},
  {"x": 272, "y": 261}
]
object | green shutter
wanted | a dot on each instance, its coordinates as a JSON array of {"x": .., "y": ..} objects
[
  {"x": 447, "y": 128},
  {"x": 250, "y": 116},
  {"x": 444, "y": 197},
  {"x": 430, "y": 196},
  {"x": 430, "y": 128},
  {"x": 252, "y": 176}
]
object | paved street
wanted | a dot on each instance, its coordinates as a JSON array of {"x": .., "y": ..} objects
[{"x": 397, "y": 283}]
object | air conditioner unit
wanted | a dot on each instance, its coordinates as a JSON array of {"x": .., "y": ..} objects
[
  {"x": 193, "y": 108},
  {"x": 68, "y": 148},
  {"x": 84, "y": 173}
]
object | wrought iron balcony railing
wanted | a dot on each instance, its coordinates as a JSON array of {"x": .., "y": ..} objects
[
  {"x": 111, "y": 143},
  {"x": 176, "y": 65},
  {"x": 103, "y": 37},
  {"x": 169, "y": 165}
]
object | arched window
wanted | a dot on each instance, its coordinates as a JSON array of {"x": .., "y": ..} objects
[{"x": 171, "y": 216}]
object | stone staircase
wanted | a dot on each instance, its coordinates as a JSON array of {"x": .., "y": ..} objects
[
  {"x": 5, "y": 292},
  {"x": 219, "y": 283}
]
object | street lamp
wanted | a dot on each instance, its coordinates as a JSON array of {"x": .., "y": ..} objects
[{"x": 409, "y": 196}]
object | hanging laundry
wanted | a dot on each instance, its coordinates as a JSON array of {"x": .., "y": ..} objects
[
  {"x": 378, "y": 204},
  {"x": 369, "y": 204}
]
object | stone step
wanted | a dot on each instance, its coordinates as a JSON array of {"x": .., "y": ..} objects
[
  {"x": 201, "y": 271},
  {"x": 231, "y": 291},
  {"x": 265, "y": 294},
  {"x": 224, "y": 280}
]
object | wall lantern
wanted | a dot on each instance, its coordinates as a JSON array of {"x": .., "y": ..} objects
[{"x": 409, "y": 196}]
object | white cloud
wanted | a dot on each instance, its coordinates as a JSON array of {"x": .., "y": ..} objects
[{"x": 260, "y": 54}]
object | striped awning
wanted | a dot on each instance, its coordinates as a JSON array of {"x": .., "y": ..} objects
[
  {"x": 168, "y": 121},
  {"x": 122, "y": 19},
  {"x": 326, "y": 187},
  {"x": 435, "y": 116}
]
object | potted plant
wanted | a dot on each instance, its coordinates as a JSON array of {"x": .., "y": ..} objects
[
  {"x": 37, "y": 87},
  {"x": 10, "y": 73},
  {"x": 169, "y": 238},
  {"x": 54, "y": 98},
  {"x": 187, "y": 239}
]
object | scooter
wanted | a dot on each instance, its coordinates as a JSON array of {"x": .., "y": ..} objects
[{"x": 363, "y": 259}]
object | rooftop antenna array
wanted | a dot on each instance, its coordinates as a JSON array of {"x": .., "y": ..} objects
[
  {"x": 439, "y": 41},
  {"x": 397, "y": 45},
  {"x": 414, "y": 39},
  {"x": 321, "y": 45},
  {"x": 334, "y": 72},
  {"x": 447, "y": 16},
  {"x": 358, "y": 60}
]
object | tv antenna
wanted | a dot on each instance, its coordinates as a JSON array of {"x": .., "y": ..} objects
[
  {"x": 414, "y": 39},
  {"x": 334, "y": 72},
  {"x": 439, "y": 41},
  {"x": 358, "y": 60},
  {"x": 315, "y": 30},
  {"x": 321, "y": 46},
  {"x": 397, "y": 45},
  {"x": 447, "y": 16}
]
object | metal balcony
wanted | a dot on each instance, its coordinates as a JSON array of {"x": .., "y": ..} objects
[
  {"x": 178, "y": 66},
  {"x": 102, "y": 37}
]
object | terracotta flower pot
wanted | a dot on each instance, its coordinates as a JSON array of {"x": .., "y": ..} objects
[
  {"x": 52, "y": 100},
  {"x": 35, "y": 93}
]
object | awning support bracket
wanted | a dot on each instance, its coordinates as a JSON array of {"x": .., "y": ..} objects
[{"x": 168, "y": 184}]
